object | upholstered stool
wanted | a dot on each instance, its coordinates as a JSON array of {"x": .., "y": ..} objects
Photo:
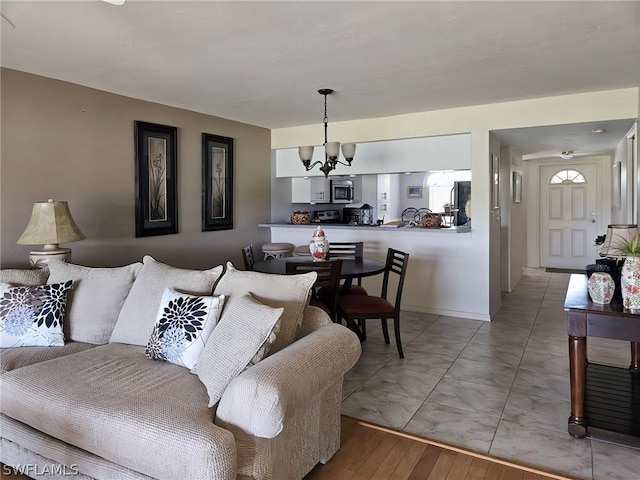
[
  {"x": 277, "y": 250},
  {"x": 302, "y": 251}
]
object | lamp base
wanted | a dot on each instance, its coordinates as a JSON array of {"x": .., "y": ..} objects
[{"x": 40, "y": 258}]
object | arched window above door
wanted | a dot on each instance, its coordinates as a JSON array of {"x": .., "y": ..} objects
[{"x": 568, "y": 176}]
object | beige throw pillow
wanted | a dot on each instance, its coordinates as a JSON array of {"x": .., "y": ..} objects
[
  {"x": 244, "y": 329},
  {"x": 28, "y": 278},
  {"x": 138, "y": 315},
  {"x": 288, "y": 291},
  {"x": 94, "y": 303}
]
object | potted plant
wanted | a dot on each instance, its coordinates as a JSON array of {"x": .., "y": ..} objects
[{"x": 630, "y": 274}]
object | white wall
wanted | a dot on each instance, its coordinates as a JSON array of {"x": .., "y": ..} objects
[{"x": 479, "y": 121}]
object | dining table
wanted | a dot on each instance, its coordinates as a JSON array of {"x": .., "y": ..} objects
[{"x": 351, "y": 267}]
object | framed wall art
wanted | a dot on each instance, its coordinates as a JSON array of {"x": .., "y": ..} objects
[
  {"x": 217, "y": 182},
  {"x": 616, "y": 176},
  {"x": 517, "y": 187},
  {"x": 414, "y": 192},
  {"x": 156, "y": 153}
]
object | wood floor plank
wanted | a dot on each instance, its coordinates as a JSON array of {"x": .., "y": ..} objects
[
  {"x": 425, "y": 465},
  {"x": 369, "y": 467},
  {"x": 478, "y": 469},
  {"x": 393, "y": 459},
  {"x": 443, "y": 465},
  {"x": 411, "y": 458},
  {"x": 460, "y": 467}
]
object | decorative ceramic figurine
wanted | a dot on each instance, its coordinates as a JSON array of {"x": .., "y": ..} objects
[
  {"x": 319, "y": 245},
  {"x": 601, "y": 287}
]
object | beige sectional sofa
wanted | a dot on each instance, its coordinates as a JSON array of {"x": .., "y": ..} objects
[{"x": 262, "y": 401}]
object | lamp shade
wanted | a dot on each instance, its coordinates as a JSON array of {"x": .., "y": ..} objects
[
  {"x": 616, "y": 236},
  {"x": 51, "y": 223}
]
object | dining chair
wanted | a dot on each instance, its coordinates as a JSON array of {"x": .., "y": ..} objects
[
  {"x": 363, "y": 307},
  {"x": 247, "y": 256},
  {"x": 349, "y": 250},
  {"x": 328, "y": 280}
]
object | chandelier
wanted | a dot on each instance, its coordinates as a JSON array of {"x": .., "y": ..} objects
[{"x": 331, "y": 149}]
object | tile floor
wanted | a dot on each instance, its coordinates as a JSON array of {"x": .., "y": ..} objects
[{"x": 497, "y": 387}]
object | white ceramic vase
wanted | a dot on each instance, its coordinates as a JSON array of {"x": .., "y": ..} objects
[
  {"x": 630, "y": 283},
  {"x": 319, "y": 245},
  {"x": 601, "y": 288}
]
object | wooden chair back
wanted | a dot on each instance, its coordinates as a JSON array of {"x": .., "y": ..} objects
[
  {"x": 396, "y": 263},
  {"x": 247, "y": 256},
  {"x": 328, "y": 277},
  {"x": 346, "y": 250}
]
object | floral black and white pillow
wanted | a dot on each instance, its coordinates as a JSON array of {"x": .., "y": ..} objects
[
  {"x": 183, "y": 326},
  {"x": 33, "y": 316}
]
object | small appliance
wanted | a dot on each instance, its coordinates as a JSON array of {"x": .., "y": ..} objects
[
  {"x": 351, "y": 215},
  {"x": 327, "y": 216},
  {"x": 341, "y": 191}
]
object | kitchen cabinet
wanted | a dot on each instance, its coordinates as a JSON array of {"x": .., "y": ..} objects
[
  {"x": 300, "y": 190},
  {"x": 310, "y": 190},
  {"x": 388, "y": 198},
  {"x": 320, "y": 190}
]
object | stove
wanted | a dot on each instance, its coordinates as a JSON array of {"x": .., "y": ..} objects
[{"x": 327, "y": 216}]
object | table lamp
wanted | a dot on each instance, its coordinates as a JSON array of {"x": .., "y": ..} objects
[
  {"x": 615, "y": 237},
  {"x": 51, "y": 223}
]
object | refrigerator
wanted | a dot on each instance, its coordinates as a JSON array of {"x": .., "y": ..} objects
[{"x": 460, "y": 194}]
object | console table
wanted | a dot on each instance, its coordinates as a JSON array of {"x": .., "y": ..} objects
[{"x": 605, "y": 400}]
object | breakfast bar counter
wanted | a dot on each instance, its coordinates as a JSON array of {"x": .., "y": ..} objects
[
  {"x": 375, "y": 228},
  {"x": 439, "y": 278}
]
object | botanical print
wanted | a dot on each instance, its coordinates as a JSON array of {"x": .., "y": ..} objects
[
  {"x": 157, "y": 179},
  {"x": 32, "y": 316},
  {"x": 218, "y": 182}
]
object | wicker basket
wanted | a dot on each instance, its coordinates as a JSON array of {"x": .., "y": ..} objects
[
  {"x": 300, "y": 218},
  {"x": 431, "y": 220}
]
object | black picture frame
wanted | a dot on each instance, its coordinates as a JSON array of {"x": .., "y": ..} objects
[
  {"x": 156, "y": 157},
  {"x": 217, "y": 182}
]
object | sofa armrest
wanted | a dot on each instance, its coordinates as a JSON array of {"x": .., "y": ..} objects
[{"x": 260, "y": 400}]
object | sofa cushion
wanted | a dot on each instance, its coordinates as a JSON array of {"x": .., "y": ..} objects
[
  {"x": 138, "y": 314},
  {"x": 151, "y": 417},
  {"x": 96, "y": 299},
  {"x": 183, "y": 326},
  {"x": 32, "y": 316},
  {"x": 242, "y": 336},
  {"x": 20, "y": 277},
  {"x": 288, "y": 291},
  {"x": 12, "y": 358}
]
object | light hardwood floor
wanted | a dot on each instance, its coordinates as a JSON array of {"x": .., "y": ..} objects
[{"x": 377, "y": 453}]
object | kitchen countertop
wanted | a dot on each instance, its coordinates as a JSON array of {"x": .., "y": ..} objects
[{"x": 388, "y": 228}]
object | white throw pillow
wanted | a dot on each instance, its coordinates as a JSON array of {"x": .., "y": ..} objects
[
  {"x": 94, "y": 303},
  {"x": 32, "y": 316},
  {"x": 183, "y": 326},
  {"x": 244, "y": 330},
  {"x": 137, "y": 317},
  {"x": 288, "y": 291},
  {"x": 24, "y": 277}
]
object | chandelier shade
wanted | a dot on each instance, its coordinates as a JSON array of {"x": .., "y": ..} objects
[{"x": 331, "y": 149}]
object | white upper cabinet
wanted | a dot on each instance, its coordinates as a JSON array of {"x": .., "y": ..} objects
[{"x": 450, "y": 152}]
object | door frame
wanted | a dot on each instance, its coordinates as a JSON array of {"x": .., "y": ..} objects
[{"x": 532, "y": 193}]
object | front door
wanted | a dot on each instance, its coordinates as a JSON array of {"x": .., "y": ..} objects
[{"x": 568, "y": 215}]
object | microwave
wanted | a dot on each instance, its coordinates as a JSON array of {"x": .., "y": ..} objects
[{"x": 341, "y": 191}]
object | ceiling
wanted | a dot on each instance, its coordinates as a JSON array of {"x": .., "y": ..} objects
[{"x": 262, "y": 62}]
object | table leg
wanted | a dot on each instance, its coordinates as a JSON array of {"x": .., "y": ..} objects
[
  {"x": 577, "y": 377},
  {"x": 635, "y": 357}
]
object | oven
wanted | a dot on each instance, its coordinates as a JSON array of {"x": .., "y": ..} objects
[{"x": 341, "y": 191}]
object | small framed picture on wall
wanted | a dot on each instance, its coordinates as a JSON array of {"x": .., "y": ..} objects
[{"x": 414, "y": 192}]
